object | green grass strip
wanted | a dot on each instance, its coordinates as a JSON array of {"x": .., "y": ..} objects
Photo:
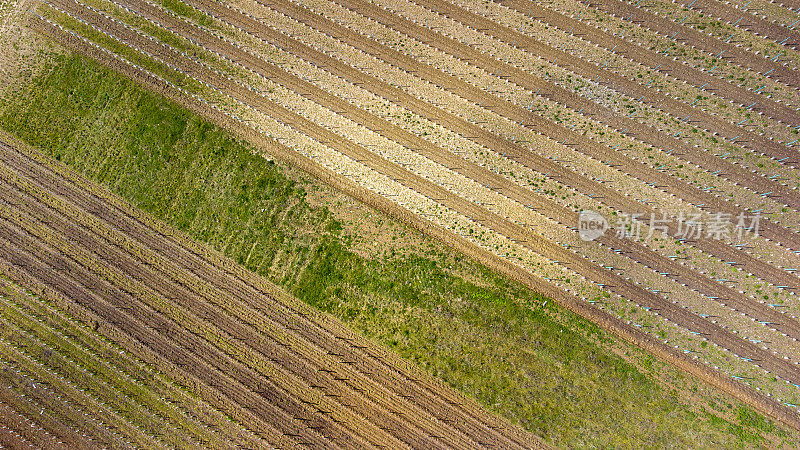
[{"x": 488, "y": 337}]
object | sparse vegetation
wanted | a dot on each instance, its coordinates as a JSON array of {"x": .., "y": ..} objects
[
  {"x": 491, "y": 126},
  {"x": 490, "y": 338}
]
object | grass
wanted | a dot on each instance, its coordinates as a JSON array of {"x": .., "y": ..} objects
[{"x": 493, "y": 339}]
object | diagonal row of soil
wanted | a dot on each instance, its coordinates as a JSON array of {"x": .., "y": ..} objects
[
  {"x": 676, "y": 108},
  {"x": 166, "y": 293},
  {"x": 502, "y": 146},
  {"x": 762, "y": 402},
  {"x": 550, "y": 250},
  {"x": 565, "y": 216},
  {"x": 749, "y": 21},
  {"x": 709, "y": 44}
]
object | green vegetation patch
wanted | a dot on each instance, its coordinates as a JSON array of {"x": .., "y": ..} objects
[{"x": 486, "y": 336}]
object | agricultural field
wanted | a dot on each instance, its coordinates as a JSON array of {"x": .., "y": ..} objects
[
  {"x": 202, "y": 353},
  {"x": 507, "y": 131}
]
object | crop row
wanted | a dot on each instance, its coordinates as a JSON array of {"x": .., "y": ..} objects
[
  {"x": 721, "y": 19},
  {"x": 737, "y": 301},
  {"x": 114, "y": 373},
  {"x": 46, "y": 431},
  {"x": 148, "y": 258},
  {"x": 334, "y": 341},
  {"x": 541, "y": 245},
  {"x": 691, "y": 37},
  {"x": 284, "y": 116},
  {"x": 119, "y": 280},
  {"x": 262, "y": 140},
  {"x": 589, "y": 71},
  {"x": 665, "y": 161},
  {"x": 729, "y": 256},
  {"x": 192, "y": 330},
  {"x": 31, "y": 398},
  {"x": 496, "y": 187},
  {"x": 51, "y": 388},
  {"x": 328, "y": 375},
  {"x": 305, "y": 90},
  {"x": 512, "y": 150}
]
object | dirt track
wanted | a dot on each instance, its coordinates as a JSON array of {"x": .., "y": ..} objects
[{"x": 681, "y": 316}]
